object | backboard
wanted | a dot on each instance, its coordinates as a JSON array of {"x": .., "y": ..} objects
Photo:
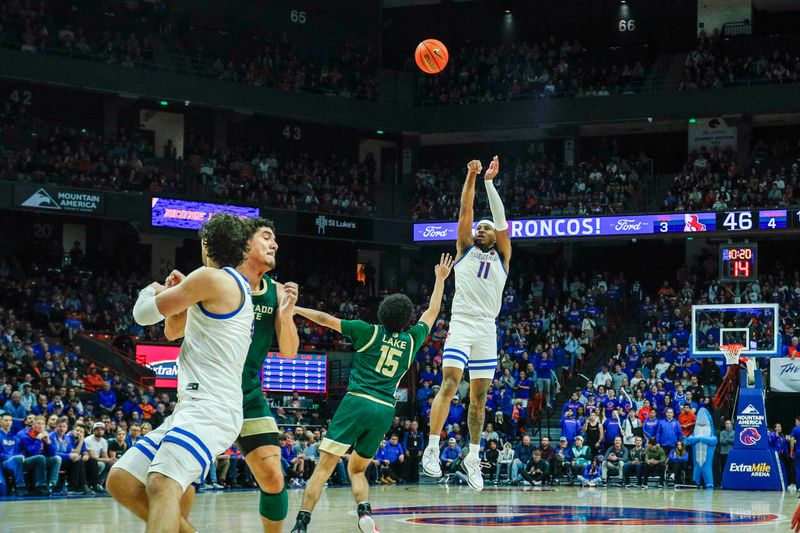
[{"x": 755, "y": 326}]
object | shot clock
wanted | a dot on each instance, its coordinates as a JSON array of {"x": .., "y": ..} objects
[{"x": 738, "y": 262}]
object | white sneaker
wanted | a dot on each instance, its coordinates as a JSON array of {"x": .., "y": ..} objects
[
  {"x": 367, "y": 525},
  {"x": 217, "y": 486},
  {"x": 472, "y": 467},
  {"x": 430, "y": 462}
]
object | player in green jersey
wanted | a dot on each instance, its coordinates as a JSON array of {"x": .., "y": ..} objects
[
  {"x": 273, "y": 304},
  {"x": 384, "y": 352}
]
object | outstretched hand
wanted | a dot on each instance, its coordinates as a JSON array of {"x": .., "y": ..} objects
[
  {"x": 494, "y": 168},
  {"x": 444, "y": 267}
]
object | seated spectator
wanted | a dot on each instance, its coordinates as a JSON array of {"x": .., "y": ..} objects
[
  {"x": 292, "y": 463},
  {"x": 561, "y": 460},
  {"x": 450, "y": 454},
  {"x": 581, "y": 456},
  {"x": 537, "y": 470},
  {"x": 522, "y": 454},
  {"x": 11, "y": 460},
  {"x": 679, "y": 463},
  {"x": 655, "y": 461},
  {"x": 118, "y": 446},
  {"x": 99, "y": 463},
  {"x": 35, "y": 445},
  {"x": 74, "y": 455},
  {"x": 504, "y": 459},
  {"x": 592, "y": 475},
  {"x": 616, "y": 457},
  {"x": 636, "y": 463},
  {"x": 391, "y": 461}
]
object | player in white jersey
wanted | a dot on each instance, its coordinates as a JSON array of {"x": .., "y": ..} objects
[
  {"x": 151, "y": 480},
  {"x": 481, "y": 268}
]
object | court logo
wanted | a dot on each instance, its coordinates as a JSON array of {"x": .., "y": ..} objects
[
  {"x": 749, "y": 436},
  {"x": 564, "y": 515}
]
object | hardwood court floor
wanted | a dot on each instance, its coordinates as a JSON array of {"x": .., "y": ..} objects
[{"x": 427, "y": 508}]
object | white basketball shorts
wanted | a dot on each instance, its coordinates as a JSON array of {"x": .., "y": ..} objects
[
  {"x": 471, "y": 343},
  {"x": 184, "y": 447}
]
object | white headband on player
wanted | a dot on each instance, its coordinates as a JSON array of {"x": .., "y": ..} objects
[{"x": 487, "y": 221}]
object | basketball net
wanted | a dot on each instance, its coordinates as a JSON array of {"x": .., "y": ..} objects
[{"x": 732, "y": 358}]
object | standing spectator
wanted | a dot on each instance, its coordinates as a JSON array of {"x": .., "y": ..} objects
[
  {"x": 678, "y": 463},
  {"x": 35, "y": 445},
  {"x": 669, "y": 432},
  {"x": 687, "y": 420},
  {"x": 612, "y": 427},
  {"x": 99, "y": 462},
  {"x": 522, "y": 454},
  {"x": 17, "y": 411},
  {"x": 544, "y": 371},
  {"x": 570, "y": 427},
  {"x": 650, "y": 425},
  {"x": 635, "y": 464},
  {"x": 654, "y": 462},
  {"x": 631, "y": 428},
  {"x": 414, "y": 445},
  {"x": 593, "y": 430},
  {"x": 11, "y": 460}
]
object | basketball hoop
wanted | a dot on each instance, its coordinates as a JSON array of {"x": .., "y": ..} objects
[
  {"x": 731, "y": 352},
  {"x": 732, "y": 357}
]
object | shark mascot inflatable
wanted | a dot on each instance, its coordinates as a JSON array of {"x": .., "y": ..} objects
[{"x": 704, "y": 442}]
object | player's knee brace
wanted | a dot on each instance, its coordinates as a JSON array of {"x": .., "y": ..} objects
[{"x": 274, "y": 507}]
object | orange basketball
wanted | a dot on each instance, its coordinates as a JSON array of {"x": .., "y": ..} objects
[{"x": 431, "y": 56}]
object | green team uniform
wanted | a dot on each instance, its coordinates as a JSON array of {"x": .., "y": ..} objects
[
  {"x": 258, "y": 419},
  {"x": 367, "y": 410}
]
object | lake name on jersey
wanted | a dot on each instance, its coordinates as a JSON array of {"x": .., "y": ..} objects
[
  {"x": 262, "y": 310},
  {"x": 397, "y": 343}
]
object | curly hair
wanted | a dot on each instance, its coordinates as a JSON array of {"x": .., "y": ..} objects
[
  {"x": 256, "y": 223},
  {"x": 226, "y": 238},
  {"x": 395, "y": 312}
]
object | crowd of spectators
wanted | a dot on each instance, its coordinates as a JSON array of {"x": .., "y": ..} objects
[
  {"x": 708, "y": 66},
  {"x": 348, "y": 71},
  {"x": 536, "y": 185},
  {"x": 521, "y": 71},
  {"x": 296, "y": 181},
  {"x": 33, "y": 27},
  {"x": 714, "y": 180},
  {"x": 37, "y": 151}
]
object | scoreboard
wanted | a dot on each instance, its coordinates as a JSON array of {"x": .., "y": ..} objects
[
  {"x": 773, "y": 221},
  {"x": 305, "y": 373},
  {"x": 738, "y": 262}
]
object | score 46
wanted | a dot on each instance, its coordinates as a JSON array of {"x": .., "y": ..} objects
[{"x": 740, "y": 221}]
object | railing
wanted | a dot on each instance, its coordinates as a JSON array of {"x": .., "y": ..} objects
[{"x": 737, "y": 29}]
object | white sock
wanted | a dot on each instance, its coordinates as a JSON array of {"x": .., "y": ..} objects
[
  {"x": 474, "y": 449},
  {"x": 433, "y": 440}
]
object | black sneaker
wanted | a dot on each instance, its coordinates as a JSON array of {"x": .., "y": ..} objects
[
  {"x": 301, "y": 524},
  {"x": 365, "y": 522}
]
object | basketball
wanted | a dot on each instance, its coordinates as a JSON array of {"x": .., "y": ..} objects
[{"x": 431, "y": 56}]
